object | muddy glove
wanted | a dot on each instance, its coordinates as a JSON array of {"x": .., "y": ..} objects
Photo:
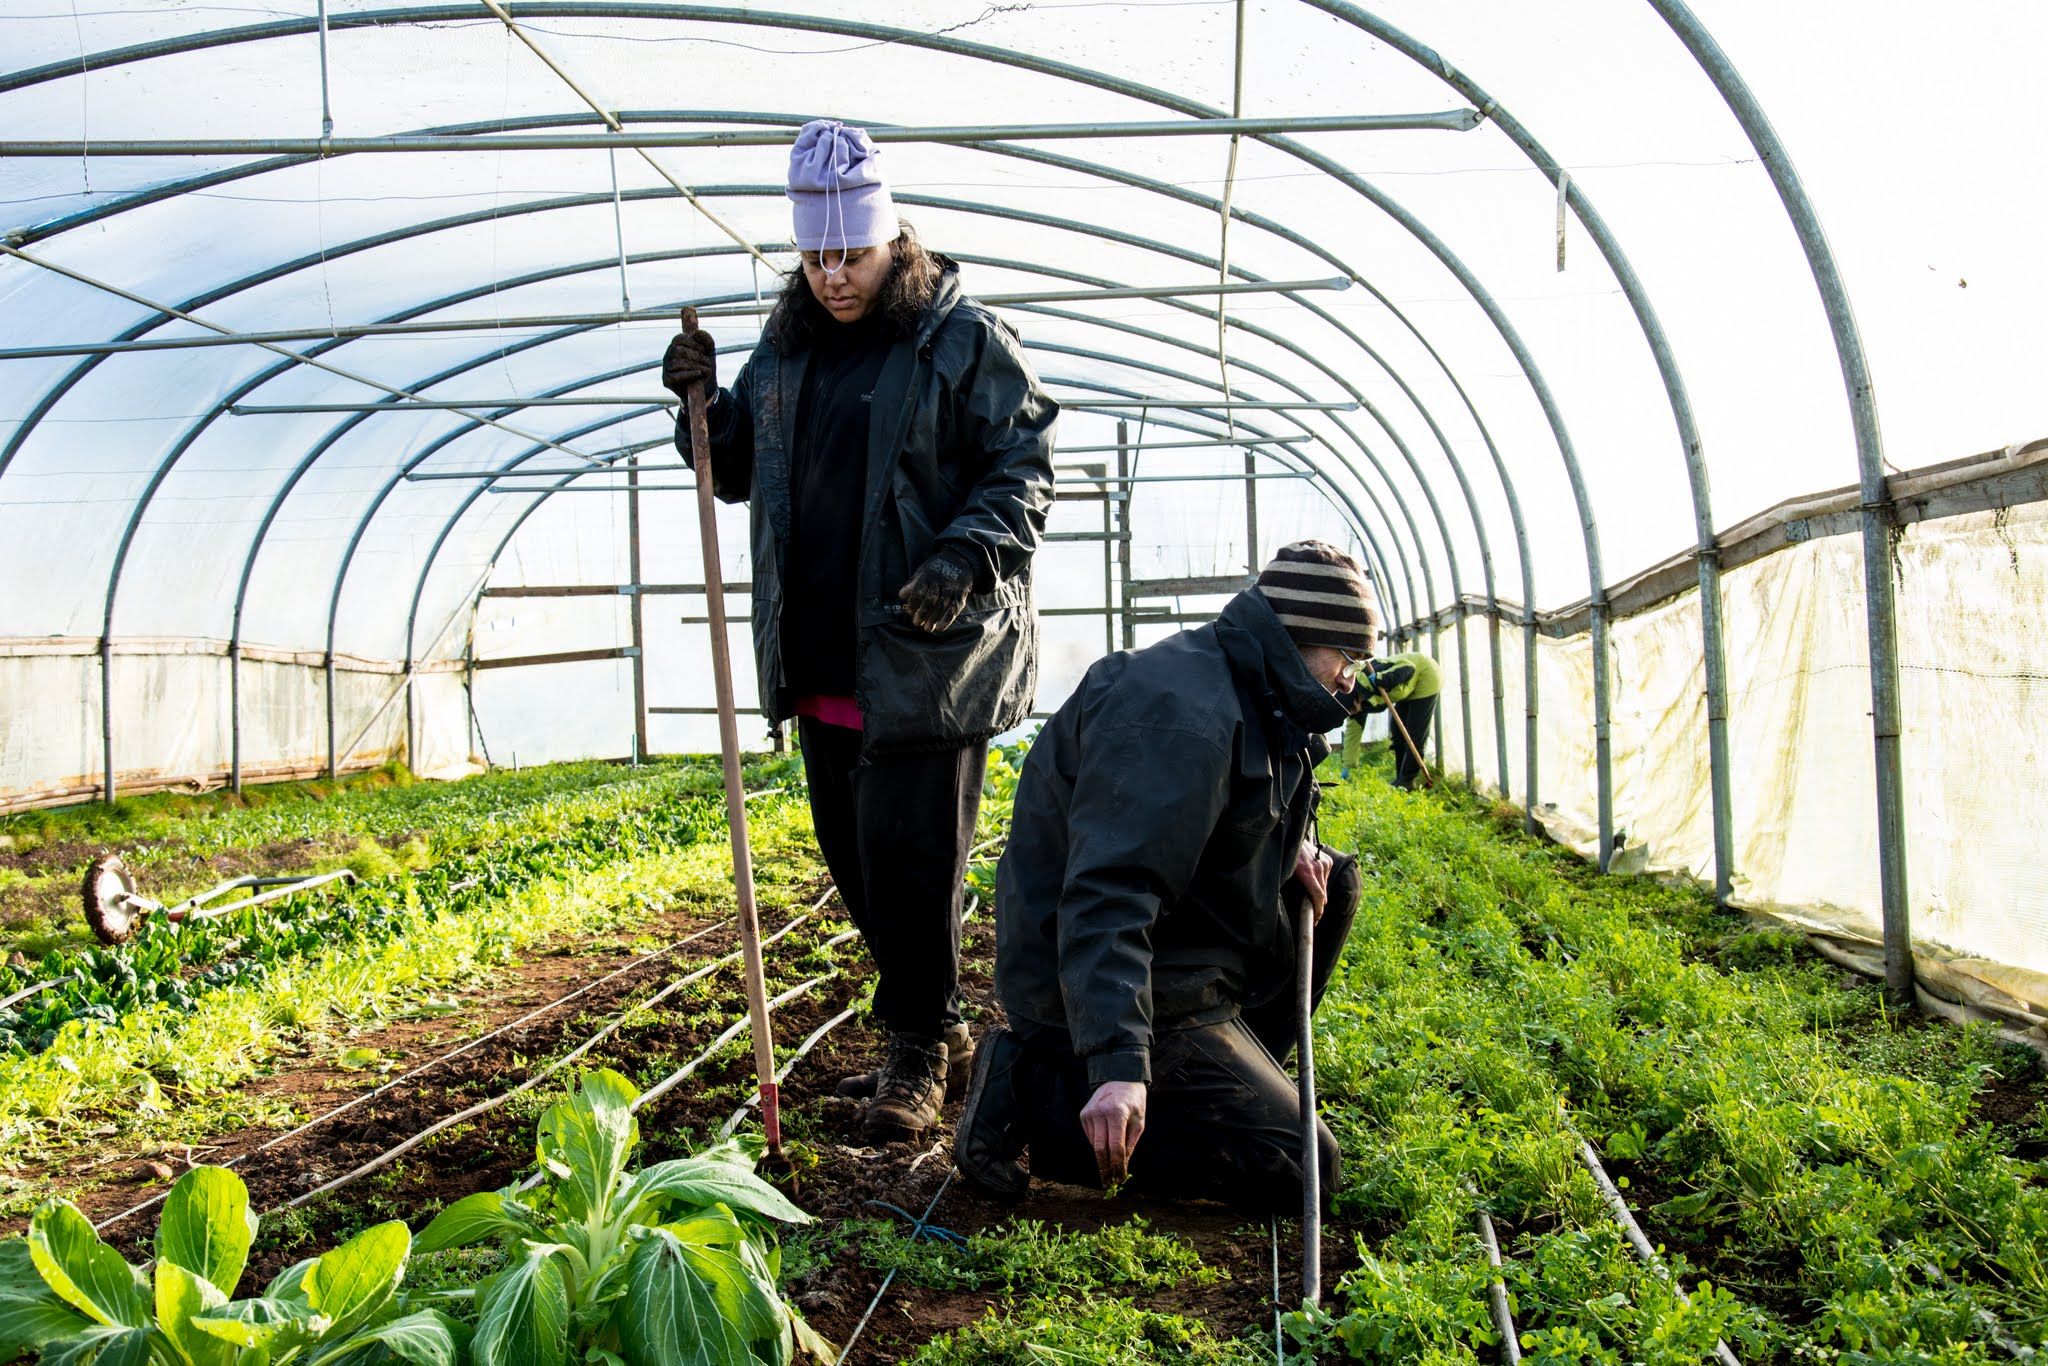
[
  {"x": 692, "y": 356},
  {"x": 938, "y": 590}
]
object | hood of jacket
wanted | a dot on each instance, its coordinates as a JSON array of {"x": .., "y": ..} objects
[{"x": 1267, "y": 663}]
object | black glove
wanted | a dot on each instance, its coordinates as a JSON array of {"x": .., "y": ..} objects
[
  {"x": 938, "y": 590},
  {"x": 692, "y": 356}
]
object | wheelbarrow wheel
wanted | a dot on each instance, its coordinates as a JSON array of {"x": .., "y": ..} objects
[{"x": 108, "y": 909}]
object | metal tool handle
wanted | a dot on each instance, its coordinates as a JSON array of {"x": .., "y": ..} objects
[
  {"x": 1311, "y": 1150},
  {"x": 697, "y": 402}
]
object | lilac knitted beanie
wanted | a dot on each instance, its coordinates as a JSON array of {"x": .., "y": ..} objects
[{"x": 835, "y": 181}]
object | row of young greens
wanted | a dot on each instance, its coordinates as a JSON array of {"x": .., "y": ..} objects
[
  {"x": 160, "y": 1071},
  {"x": 674, "y": 1264},
  {"x": 378, "y": 804},
  {"x": 1813, "y": 1164},
  {"x": 478, "y": 855},
  {"x": 374, "y": 828}
]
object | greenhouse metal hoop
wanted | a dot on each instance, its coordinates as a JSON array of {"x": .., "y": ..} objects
[
  {"x": 1163, "y": 189},
  {"x": 1880, "y": 606},
  {"x": 1065, "y": 71}
]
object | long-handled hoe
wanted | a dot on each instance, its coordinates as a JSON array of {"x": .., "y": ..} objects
[
  {"x": 729, "y": 750},
  {"x": 113, "y": 906},
  {"x": 1428, "y": 778}
]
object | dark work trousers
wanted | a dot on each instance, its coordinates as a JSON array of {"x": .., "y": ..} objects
[
  {"x": 1415, "y": 714},
  {"x": 1222, "y": 1120},
  {"x": 895, "y": 833}
]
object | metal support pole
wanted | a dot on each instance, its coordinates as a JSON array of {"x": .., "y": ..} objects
[
  {"x": 107, "y": 718},
  {"x": 333, "y": 752},
  {"x": 1109, "y": 550},
  {"x": 235, "y": 717},
  {"x": 1123, "y": 540},
  {"x": 326, "y": 108},
  {"x": 1880, "y": 606},
  {"x": 1251, "y": 518},
  {"x": 633, "y": 573}
]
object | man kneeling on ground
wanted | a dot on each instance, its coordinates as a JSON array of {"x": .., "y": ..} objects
[{"x": 1161, "y": 849}]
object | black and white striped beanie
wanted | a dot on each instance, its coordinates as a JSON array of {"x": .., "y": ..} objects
[{"x": 1321, "y": 597}]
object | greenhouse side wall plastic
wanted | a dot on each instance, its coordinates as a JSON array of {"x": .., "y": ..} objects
[
  {"x": 1975, "y": 745},
  {"x": 172, "y": 719}
]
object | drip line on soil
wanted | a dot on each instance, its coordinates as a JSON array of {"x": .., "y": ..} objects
[
  {"x": 732, "y": 1031},
  {"x": 449, "y": 1056},
  {"x": 739, "y": 1116},
  {"x": 737, "y": 1028},
  {"x": 1496, "y": 1288},
  {"x": 616, "y": 1023},
  {"x": 916, "y": 1232},
  {"x": 1618, "y": 1207}
]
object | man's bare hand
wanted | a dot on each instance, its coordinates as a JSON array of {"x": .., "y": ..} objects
[
  {"x": 1312, "y": 870},
  {"x": 1113, "y": 1119}
]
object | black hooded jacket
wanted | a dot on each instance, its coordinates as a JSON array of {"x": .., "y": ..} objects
[
  {"x": 959, "y": 454},
  {"x": 1156, "y": 818}
]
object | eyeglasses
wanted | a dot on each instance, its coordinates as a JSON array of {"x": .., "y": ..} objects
[{"x": 1353, "y": 665}]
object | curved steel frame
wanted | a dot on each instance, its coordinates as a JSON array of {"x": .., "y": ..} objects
[
  {"x": 1060, "y": 70},
  {"x": 385, "y": 239},
  {"x": 1713, "y": 61}
]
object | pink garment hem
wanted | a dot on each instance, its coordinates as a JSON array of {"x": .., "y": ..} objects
[{"x": 833, "y": 711}]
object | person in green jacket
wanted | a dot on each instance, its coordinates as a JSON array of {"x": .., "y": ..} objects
[{"x": 1412, "y": 683}]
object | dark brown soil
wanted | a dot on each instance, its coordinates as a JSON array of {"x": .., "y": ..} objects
[
  {"x": 1770, "y": 1283},
  {"x": 837, "y": 1174}
]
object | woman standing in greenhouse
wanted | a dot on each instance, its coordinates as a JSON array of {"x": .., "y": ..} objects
[{"x": 895, "y": 449}]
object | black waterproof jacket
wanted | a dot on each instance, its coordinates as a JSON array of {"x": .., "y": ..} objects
[
  {"x": 1156, "y": 818},
  {"x": 959, "y": 454}
]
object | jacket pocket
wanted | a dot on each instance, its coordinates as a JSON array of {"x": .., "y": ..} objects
[{"x": 933, "y": 687}]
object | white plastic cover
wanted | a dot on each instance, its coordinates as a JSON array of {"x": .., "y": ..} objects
[{"x": 135, "y": 508}]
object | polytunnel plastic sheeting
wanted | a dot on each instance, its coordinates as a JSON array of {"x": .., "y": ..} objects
[
  {"x": 138, "y": 516},
  {"x": 1975, "y": 747}
]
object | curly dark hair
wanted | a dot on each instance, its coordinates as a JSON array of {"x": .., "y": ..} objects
[{"x": 913, "y": 280}]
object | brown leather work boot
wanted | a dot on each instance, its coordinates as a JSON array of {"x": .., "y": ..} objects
[
  {"x": 959, "y": 1068},
  {"x": 909, "y": 1090}
]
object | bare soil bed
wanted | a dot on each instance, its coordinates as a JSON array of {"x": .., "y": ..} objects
[{"x": 838, "y": 1177}]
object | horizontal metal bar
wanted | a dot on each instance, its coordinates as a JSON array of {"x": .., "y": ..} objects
[
  {"x": 682, "y": 711},
  {"x": 1175, "y": 404},
  {"x": 1448, "y": 120},
  {"x": 1086, "y": 536},
  {"x": 1212, "y": 443},
  {"x": 419, "y": 476},
  {"x": 565, "y": 657},
  {"x": 439, "y": 404},
  {"x": 1186, "y": 478},
  {"x": 665, "y": 316},
  {"x": 1190, "y": 587},
  {"x": 669, "y": 400},
  {"x": 597, "y": 488},
  {"x": 596, "y": 590}
]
